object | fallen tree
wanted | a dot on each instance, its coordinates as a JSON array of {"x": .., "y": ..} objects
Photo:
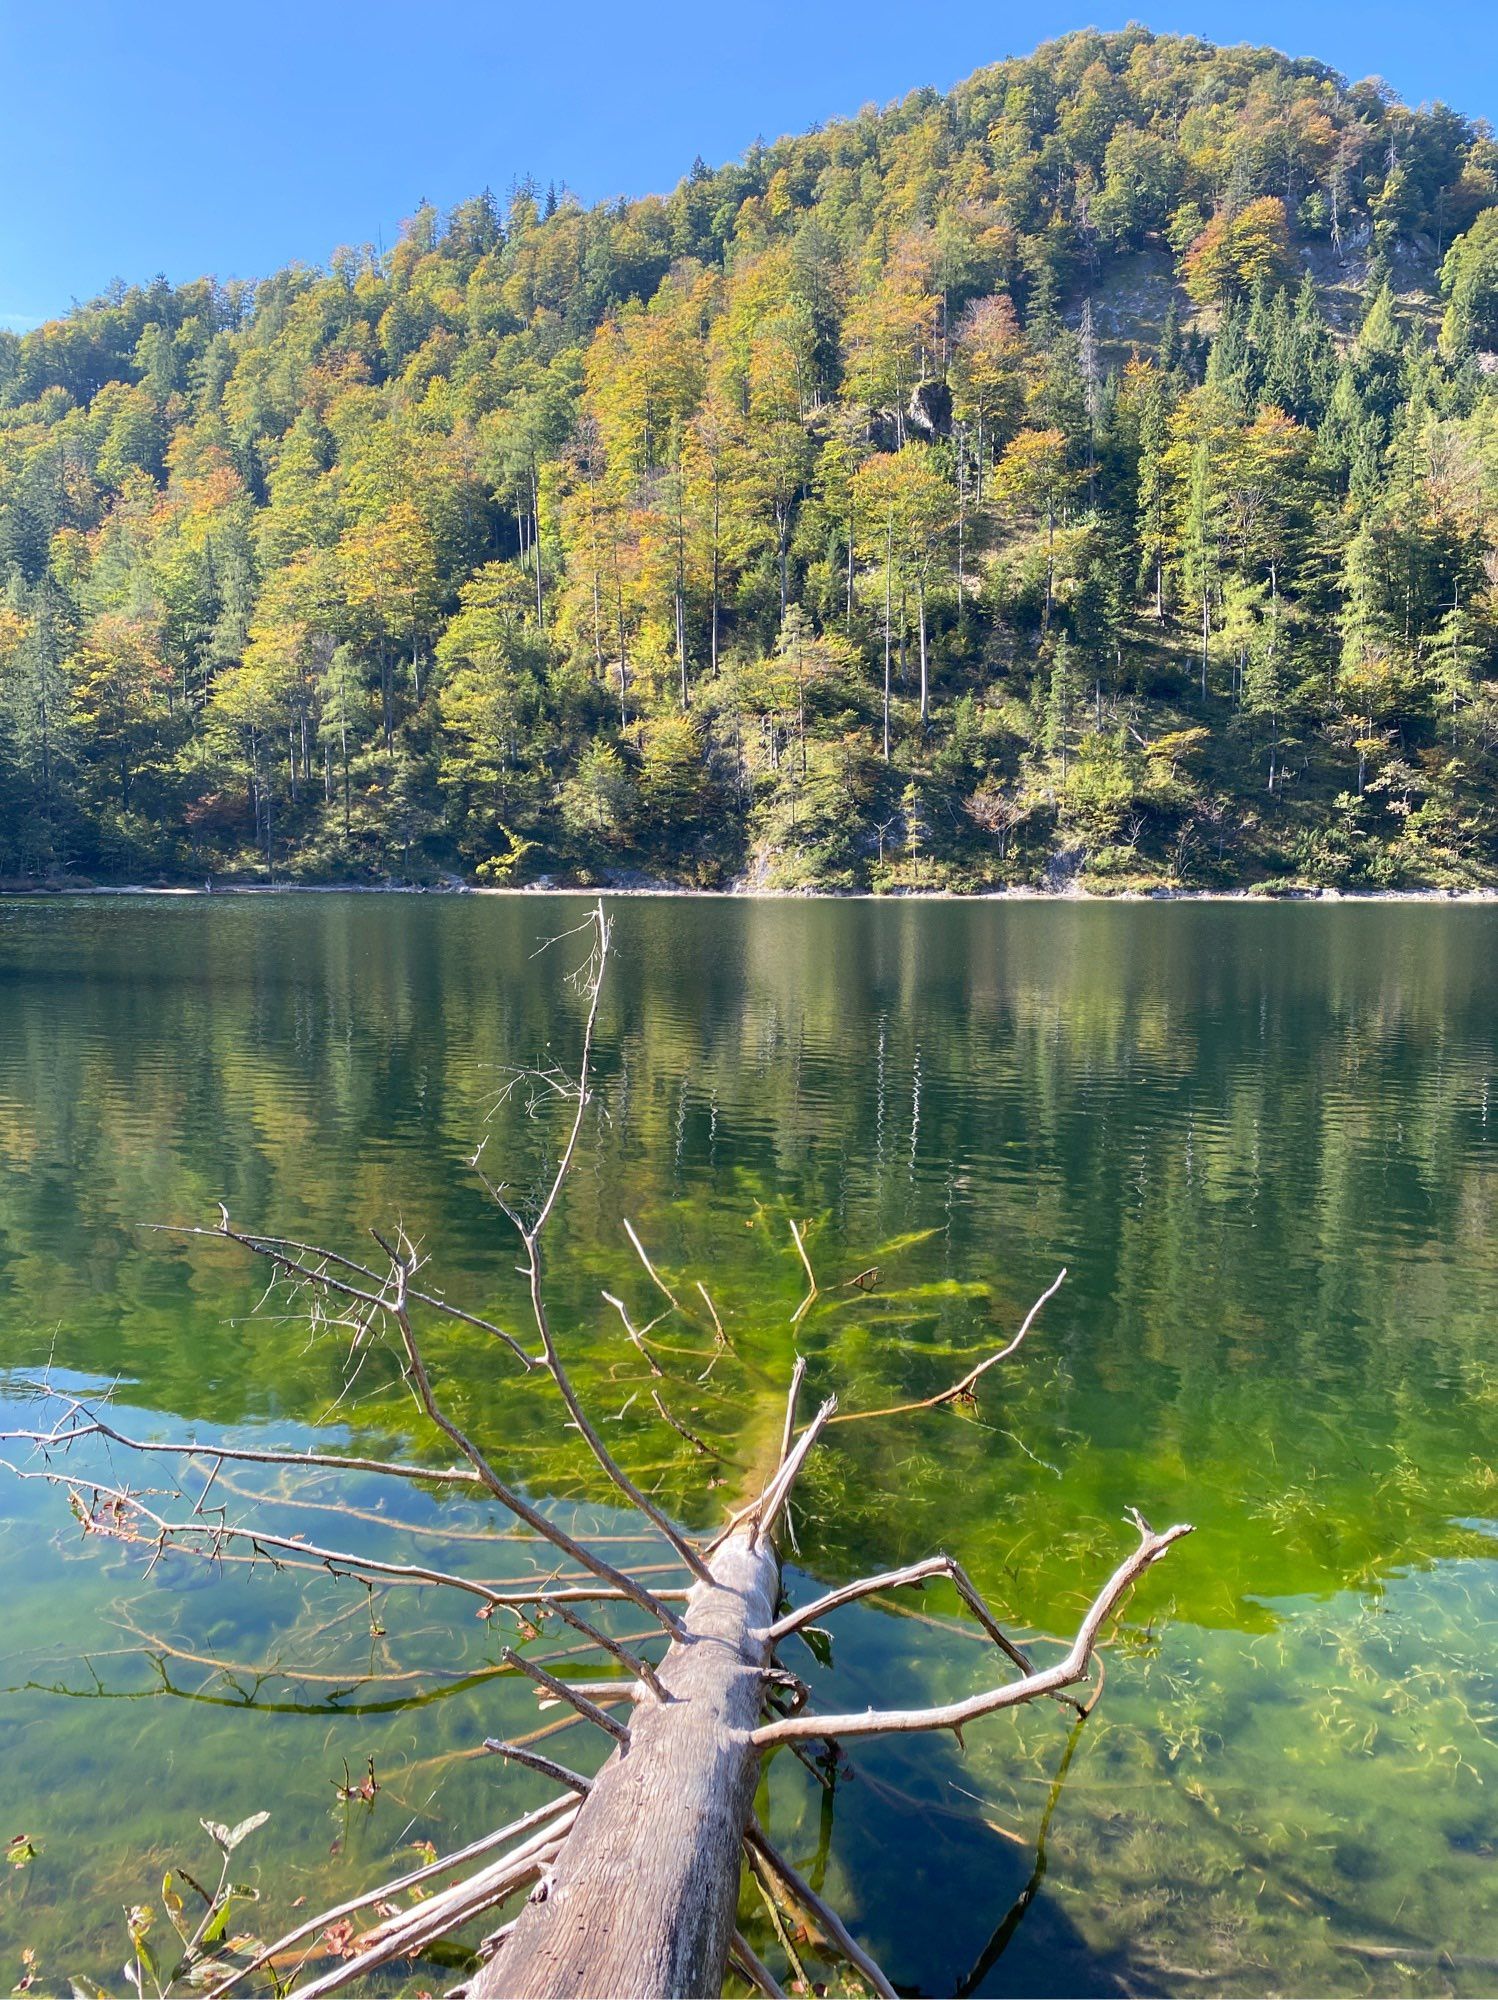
[{"x": 628, "y": 1881}]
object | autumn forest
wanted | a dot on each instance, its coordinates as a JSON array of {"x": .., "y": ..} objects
[{"x": 1089, "y": 475}]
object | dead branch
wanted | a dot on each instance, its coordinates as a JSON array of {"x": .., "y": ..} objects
[
  {"x": 633, "y": 1331},
  {"x": 788, "y": 1434},
  {"x": 589, "y": 1710},
  {"x": 758, "y": 1975},
  {"x": 963, "y": 1389},
  {"x": 600, "y": 1450},
  {"x": 629, "y": 1229},
  {"x": 543, "y": 1816},
  {"x": 787, "y": 1439},
  {"x": 296, "y": 1249},
  {"x": 91, "y": 1424},
  {"x": 761, "y": 1513},
  {"x": 830, "y": 1923},
  {"x": 116, "y": 1523},
  {"x": 516, "y": 1753},
  {"x": 1050, "y": 1680},
  {"x": 532, "y": 1516},
  {"x": 811, "y": 1277},
  {"x": 636, "y": 1663},
  {"x": 530, "y": 1238},
  {"x": 894, "y": 1579},
  {"x": 607, "y": 1693},
  {"x": 436, "y": 1531},
  {"x": 768, "y": 1506},
  {"x": 392, "y": 1299},
  {"x": 513, "y": 1599},
  {"x": 286, "y": 1254},
  {"x": 680, "y": 1428},
  {"x": 449, "y": 1909},
  {"x": 392, "y": 1303}
]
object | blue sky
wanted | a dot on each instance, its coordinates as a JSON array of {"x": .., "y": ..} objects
[{"x": 149, "y": 135}]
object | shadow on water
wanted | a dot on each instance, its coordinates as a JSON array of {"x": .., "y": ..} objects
[{"x": 929, "y": 1874}]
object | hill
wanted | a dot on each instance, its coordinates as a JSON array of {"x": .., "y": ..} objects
[{"x": 1092, "y": 469}]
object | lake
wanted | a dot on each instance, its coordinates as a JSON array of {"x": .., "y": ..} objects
[{"x": 1260, "y": 1140}]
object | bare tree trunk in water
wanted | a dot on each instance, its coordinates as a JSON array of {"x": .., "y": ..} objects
[
  {"x": 632, "y": 1892},
  {"x": 655, "y": 1915}
]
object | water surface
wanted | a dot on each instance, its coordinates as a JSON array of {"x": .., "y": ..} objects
[{"x": 1258, "y": 1139}]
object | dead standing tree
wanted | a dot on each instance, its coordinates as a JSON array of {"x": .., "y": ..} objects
[{"x": 633, "y": 1875}]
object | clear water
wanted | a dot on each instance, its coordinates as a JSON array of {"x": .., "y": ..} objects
[{"x": 1260, "y": 1140}]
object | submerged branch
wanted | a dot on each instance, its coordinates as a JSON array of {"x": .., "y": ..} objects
[
  {"x": 759, "y": 1976},
  {"x": 811, "y": 1277},
  {"x": 959, "y": 1391},
  {"x": 656, "y": 1279},
  {"x": 831, "y": 1924}
]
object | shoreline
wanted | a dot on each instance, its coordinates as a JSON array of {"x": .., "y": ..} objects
[{"x": 670, "y": 890}]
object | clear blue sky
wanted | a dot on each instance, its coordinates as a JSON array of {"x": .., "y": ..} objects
[{"x": 149, "y": 135}]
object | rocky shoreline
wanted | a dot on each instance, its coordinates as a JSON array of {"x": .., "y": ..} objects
[{"x": 744, "y": 893}]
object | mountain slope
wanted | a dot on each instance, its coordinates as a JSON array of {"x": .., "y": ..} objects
[{"x": 1092, "y": 469}]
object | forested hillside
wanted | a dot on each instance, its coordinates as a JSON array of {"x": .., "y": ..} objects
[{"x": 1095, "y": 468}]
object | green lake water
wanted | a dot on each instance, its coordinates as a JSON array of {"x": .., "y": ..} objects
[{"x": 1261, "y": 1140}]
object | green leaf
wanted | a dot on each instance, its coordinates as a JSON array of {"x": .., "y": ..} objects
[
  {"x": 142, "y": 1947},
  {"x": 236, "y": 1892},
  {"x": 214, "y": 1928},
  {"x": 818, "y": 1642},
  {"x": 245, "y": 1826},
  {"x": 172, "y": 1903}
]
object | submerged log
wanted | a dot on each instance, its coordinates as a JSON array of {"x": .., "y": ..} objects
[{"x": 642, "y": 1897}]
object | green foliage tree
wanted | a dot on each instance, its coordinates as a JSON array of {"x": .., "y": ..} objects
[
  {"x": 1469, "y": 281},
  {"x": 567, "y": 539}
]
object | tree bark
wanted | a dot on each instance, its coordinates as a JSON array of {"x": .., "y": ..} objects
[{"x": 643, "y": 1895}]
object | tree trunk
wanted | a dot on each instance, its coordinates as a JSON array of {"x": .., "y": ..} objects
[
  {"x": 717, "y": 563},
  {"x": 536, "y": 526},
  {"x": 643, "y": 1895},
  {"x": 925, "y": 665},
  {"x": 889, "y": 562}
]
